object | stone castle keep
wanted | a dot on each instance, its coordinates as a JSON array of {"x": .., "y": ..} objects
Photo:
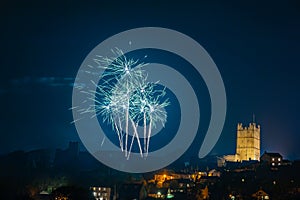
[{"x": 248, "y": 142}]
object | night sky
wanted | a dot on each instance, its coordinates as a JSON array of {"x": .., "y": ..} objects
[{"x": 255, "y": 46}]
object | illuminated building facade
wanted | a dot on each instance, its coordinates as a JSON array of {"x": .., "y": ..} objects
[
  {"x": 248, "y": 142},
  {"x": 101, "y": 193}
]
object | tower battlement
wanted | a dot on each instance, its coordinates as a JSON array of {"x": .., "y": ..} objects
[{"x": 252, "y": 126}]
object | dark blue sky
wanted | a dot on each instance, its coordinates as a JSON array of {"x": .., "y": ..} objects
[{"x": 255, "y": 46}]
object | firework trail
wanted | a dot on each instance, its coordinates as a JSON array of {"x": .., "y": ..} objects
[{"x": 125, "y": 100}]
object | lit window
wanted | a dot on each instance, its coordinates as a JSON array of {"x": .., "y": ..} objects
[
  {"x": 279, "y": 164},
  {"x": 273, "y": 164},
  {"x": 279, "y": 159},
  {"x": 273, "y": 159}
]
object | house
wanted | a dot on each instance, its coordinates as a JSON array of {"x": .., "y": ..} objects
[
  {"x": 261, "y": 195},
  {"x": 272, "y": 159},
  {"x": 103, "y": 193}
]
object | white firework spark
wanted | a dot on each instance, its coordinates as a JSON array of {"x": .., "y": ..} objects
[{"x": 126, "y": 100}]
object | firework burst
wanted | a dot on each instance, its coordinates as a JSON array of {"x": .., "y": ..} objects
[{"x": 126, "y": 100}]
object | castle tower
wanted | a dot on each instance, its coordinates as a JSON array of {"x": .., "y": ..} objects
[{"x": 248, "y": 142}]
